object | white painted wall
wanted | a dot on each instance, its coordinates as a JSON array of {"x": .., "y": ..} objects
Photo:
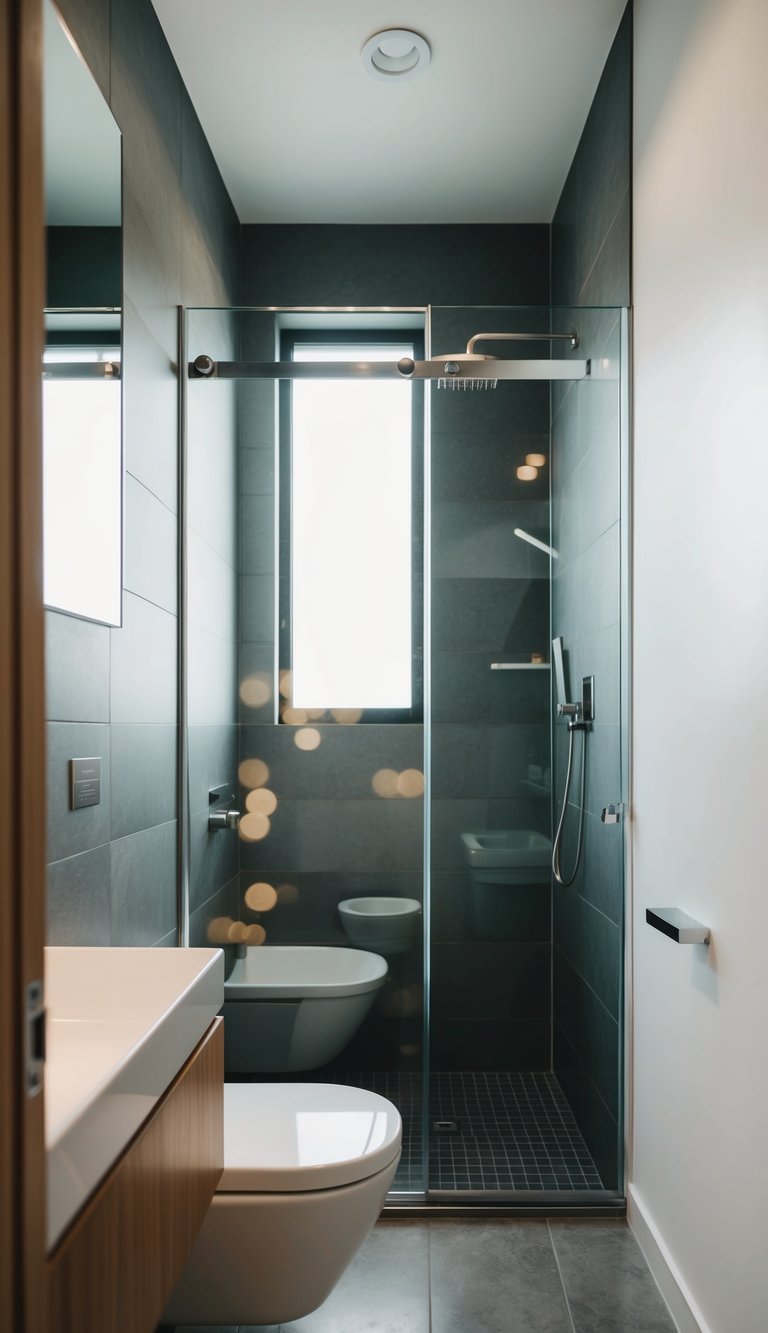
[{"x": 699, "y": 1171}]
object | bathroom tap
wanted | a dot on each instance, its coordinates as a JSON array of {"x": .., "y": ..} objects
[{"x": 223, "y": 814}]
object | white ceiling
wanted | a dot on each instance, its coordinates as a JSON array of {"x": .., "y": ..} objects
[{"x": 302, "y": 134}]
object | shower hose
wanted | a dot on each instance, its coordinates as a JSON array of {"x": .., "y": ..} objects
[{"x": 567, "y": 880}]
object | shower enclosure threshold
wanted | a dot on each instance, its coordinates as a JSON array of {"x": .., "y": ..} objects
[{"x": 557, "y": 1203}]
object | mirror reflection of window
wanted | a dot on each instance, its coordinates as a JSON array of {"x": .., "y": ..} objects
[
  {"x": 82, "y": 434},
  {"x": 82, "y": 482}
]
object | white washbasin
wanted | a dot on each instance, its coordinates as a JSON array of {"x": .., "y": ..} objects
[
  {"x": 500, "y": 848},
  {"x": 120, "y": 1023}
]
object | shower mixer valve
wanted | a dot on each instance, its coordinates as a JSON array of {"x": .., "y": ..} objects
[{"x": 580, "y": 715}]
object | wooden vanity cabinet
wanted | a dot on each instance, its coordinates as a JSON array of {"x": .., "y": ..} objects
[{"x": 115, "y": 1267}]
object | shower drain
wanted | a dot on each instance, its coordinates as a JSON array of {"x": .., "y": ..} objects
[{"x": 446, "y": 1127}]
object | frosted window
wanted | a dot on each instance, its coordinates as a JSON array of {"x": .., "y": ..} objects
[
  {"x": 82, "y": 491},
  {"x": 351, "y": 536}
]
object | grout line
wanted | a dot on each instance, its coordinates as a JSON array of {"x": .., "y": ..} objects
[{"x": 560, "y": 1275}]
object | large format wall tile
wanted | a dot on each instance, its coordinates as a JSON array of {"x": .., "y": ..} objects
[
  {"x": 78, "y": 899},
  {"x": 592, "y": 945},
  {"x": 150, "y": 398},
  {"x": 143, "y": 887},
  {"x": 76, "y": 669},
  {"x": 464, "y": 689},
  {"x": 597, "y": 183},
  {"x": 212, "y": 678},
  {"x": 497, "y": 615},
  {"x": 590, "y": 1030},
  {"x": 221, "y": 904},
  {"x": 343, "y": 766},
  {"x": 143, "y": 668},
  {"x": 211, "y": 444},
  {"x": 210, "y": 230},
  {"x": 514, "y": 1045},
  {"x": 395, "y": 265},
  {"x": 490, "y": 981},
  {"x": 340, "y": 835},
  {"x": 143, "y": 773},
  {"x": 150, "y": 547}
]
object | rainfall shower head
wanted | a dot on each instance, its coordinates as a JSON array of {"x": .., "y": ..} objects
[{"x": 453, "y": 378}]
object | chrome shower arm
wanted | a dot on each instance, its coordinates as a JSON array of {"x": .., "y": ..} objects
[{"x": 572, "y": 338}]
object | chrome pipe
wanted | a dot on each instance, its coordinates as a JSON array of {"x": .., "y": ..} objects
[{"x": 572, "y": 338}]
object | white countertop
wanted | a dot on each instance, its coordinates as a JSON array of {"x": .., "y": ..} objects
[{"x": 120, "y": 1023}]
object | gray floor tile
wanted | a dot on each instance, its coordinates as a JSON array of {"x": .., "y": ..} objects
[
  {"x": 385, "y": 1290},
  {"x": 609, "y": 1286},
  {"x": 495, "y": 1277}
]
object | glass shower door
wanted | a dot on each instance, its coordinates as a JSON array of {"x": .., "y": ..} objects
[
  {"x": 515, "y": 997},
  {"x": 331, "y": 799}
]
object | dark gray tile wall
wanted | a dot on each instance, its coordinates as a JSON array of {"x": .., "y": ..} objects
[
  {"x": 590, "y": 229},
  {"x": 113, "y": 692},
  {"x": 394, "y": 265},
  {"x": 591, "y": 266},
  {"x": 491, "y": 947}
]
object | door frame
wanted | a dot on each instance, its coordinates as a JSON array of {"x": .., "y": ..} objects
[{"x": 22, "y": 735}]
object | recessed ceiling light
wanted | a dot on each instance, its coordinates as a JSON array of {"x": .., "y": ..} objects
[{"x": 395, "y": 53}]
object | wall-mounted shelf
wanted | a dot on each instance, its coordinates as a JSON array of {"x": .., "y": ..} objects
[
  {"x": 519, "y": 666},
  {"x": 677, "y": 925}
]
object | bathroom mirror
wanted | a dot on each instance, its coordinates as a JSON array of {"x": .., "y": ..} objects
[{"x": 82, "y": 401}]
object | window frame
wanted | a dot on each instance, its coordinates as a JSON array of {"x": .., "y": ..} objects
[{"x": 289, "y": 340}]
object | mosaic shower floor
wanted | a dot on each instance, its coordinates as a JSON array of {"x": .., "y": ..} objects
[{"x": 489, "y": 1131}]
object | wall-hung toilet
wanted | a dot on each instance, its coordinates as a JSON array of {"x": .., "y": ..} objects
[
  {"x": 293, "y": 1007},
  {"x": 307, "y": 1167}
]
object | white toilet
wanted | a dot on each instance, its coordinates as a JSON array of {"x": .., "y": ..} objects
[{"x": 307, "y": 1167}]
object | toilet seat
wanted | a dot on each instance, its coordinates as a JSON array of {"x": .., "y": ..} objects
[{"x": 290, "y": 1137}]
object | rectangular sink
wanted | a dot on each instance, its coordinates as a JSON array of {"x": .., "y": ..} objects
[
  {"x": 501, "y": 848},
  {"x": 120, "y": 1023}
]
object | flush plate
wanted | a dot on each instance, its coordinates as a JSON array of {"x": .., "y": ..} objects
[{"x": 85, "y": 782}]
